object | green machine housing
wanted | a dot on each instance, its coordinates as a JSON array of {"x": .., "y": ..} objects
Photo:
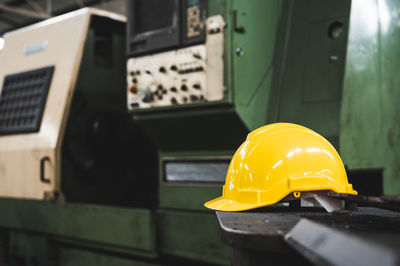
[{"x": 283, "y": 61}]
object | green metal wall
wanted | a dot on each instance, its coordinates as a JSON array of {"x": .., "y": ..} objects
[
  {"x": 308, "y": 84},
  {"x": 370, "y": 114}
]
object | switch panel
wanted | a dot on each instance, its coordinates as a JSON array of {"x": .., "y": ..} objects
[{"x": 183, "y": 76}]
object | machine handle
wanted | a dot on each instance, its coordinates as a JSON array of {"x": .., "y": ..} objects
[
  {"x": 237, "y": 29},
  {"x": 42, "y": 171}
]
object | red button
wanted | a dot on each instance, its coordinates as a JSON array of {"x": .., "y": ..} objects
[{"x": 133, "y": 89}]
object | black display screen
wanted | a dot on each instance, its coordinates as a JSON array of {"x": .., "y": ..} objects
[{"x": 151, "y": 15}]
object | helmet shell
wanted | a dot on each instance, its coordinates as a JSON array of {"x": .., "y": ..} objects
[{"x": 276, "y": 160}]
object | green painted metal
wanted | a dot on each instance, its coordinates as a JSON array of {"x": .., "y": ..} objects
[
  {"x": 76, "y": 257},
  {"x": 191, "y": 235},
  {"x": 370, "y": 115},
  {"x": 253, "y": 71},
  {"x": 119, "y": 229},
  {"x": 308, "y": 86},
  {"x": 189, "y": 196},
  {"x": 30, "y": 250},
  {"x": 195, "y": 129},
  {"x": 4, "y": 251}
]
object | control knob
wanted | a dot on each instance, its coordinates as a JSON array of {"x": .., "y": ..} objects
[{"x": 146, "y": 95}]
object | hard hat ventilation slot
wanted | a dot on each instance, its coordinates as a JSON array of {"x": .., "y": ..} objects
[{"x": 316, "y": 199}]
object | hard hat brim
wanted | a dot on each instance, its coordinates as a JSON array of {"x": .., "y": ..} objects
[{"x": 222, "y": 204}]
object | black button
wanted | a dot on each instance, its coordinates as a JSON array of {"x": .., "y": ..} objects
[
  {"x": 193, "y": 98},
  {"x": 160, "y": 97},
  {"x": 173, "y": 100},
  {"x": 134, "y": 80},
  {"x": 213, "y": 31},
  {"x": 162, "y": 70},
  {"x": 148, "y": 97},
  {"x": 185, "y": 99},
  {"x": 196, "y": 86},
  {"x": 164, "y": 91},
  {"x": 148, "y": 72},
  {"x": 132, "y": 73},
  {"x": 174, "y": 68},
  {"x": 160, "y": 87},
  {"x": 138, "y": 72},
  {"x": 184, "y": 87},
  {"x": 173, "y": 89}
]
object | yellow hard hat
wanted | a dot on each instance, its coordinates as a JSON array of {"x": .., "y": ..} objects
[{"x": 277, "y": 160}]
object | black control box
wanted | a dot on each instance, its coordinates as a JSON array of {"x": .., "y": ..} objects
[{"x": 160, "y": 25}]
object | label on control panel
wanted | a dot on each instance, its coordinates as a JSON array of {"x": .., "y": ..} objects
[{"x": 183, "y": 76}]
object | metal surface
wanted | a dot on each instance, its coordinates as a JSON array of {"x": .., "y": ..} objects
[
  {"x": 196, "y": 171},
  {"x": 188, "y": 196},
  {"x": 309, "y": 85},
  {"x": 75, "y": 257},
  {"x": 364, "y": 237},
  {"x": 369, "y": 126},
  {"x": 384, "y": 202},
  {"x": 323, "y": 245},
  {"x": 192, "y": 235},
  {"x": 98, "y": 227}
]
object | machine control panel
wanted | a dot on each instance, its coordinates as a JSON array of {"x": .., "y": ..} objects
[{"x": 183, "y": 76}]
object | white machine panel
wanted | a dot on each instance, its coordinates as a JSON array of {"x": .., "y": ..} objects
[
  {"x": 38, "y": 70},
  {"x": 183, "y": 76}
]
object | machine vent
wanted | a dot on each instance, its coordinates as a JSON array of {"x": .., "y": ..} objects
[{"x": 22, "y": 100}]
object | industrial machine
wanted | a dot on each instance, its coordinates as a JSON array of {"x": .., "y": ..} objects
[
  {"x": 197, "y": 99},
  {"x": 65, "y": 137},
  {"x": 64, "y": 134},
  {"x": 108, "y": 154}
]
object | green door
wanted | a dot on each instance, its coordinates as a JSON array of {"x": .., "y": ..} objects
[
  {"x": 254, "y": 29},
  {"x": 312, "y": 75}
]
